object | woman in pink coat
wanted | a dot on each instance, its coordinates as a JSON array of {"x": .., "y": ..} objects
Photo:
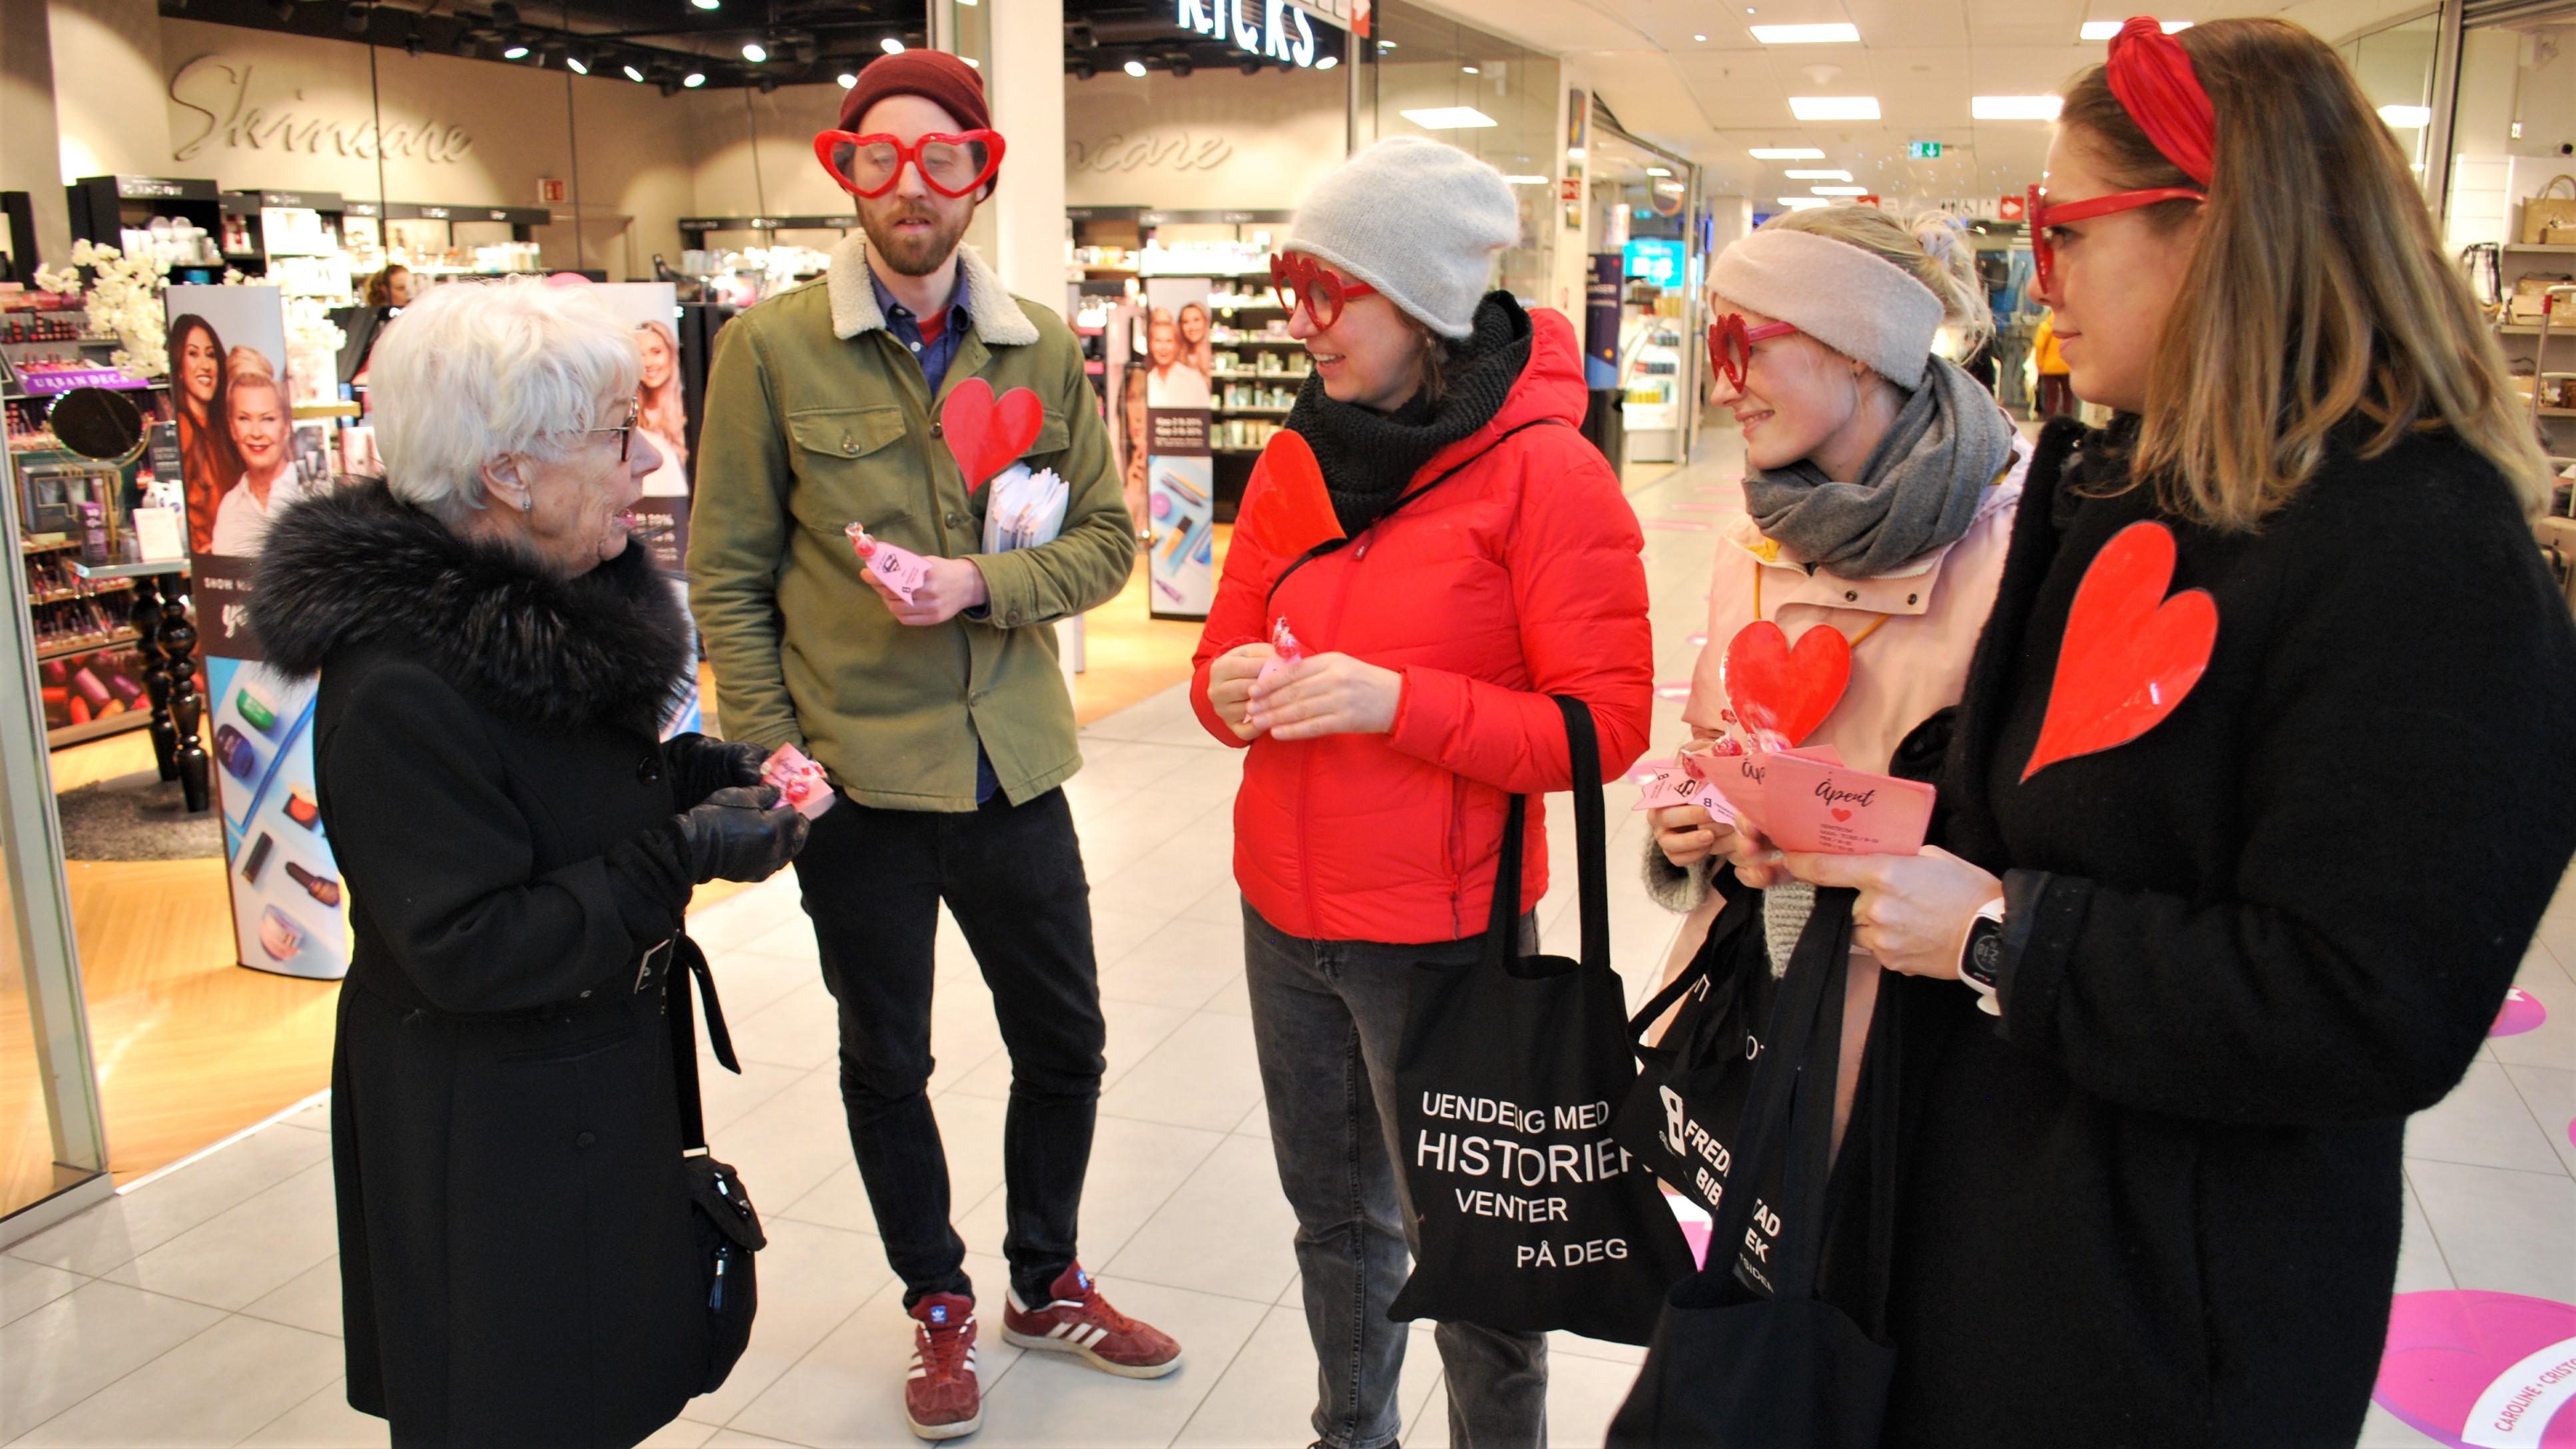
[{"x": 1879, "y": 484}]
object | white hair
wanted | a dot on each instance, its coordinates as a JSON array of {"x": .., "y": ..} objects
[{"x": 475, "y": 372}]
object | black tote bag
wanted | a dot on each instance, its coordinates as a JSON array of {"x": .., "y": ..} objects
[
  {"x": 1683, "y": 1117},
  {"x": 1531, "y": 1216},
  {"x": 1730, "y": 1367}
]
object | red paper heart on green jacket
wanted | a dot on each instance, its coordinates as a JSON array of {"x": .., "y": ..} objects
[
  {"x": 986, "y": 436},
  {"x": 1783, "y": 691},
  {"x": 1287, "y": 505},
  {"x": 2130, "y": 654}
]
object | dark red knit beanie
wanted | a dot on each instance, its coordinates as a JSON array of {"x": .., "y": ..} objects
[{"x": 934, "y": 75}]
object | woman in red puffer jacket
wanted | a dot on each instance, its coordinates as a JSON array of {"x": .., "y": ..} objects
[{"x": 1491, "y": 562}]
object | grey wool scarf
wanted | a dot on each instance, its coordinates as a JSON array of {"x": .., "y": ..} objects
[{"x": 1919, "y": 490}]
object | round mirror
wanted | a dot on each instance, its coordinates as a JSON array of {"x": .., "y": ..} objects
[{"x": 98, "y": 424}]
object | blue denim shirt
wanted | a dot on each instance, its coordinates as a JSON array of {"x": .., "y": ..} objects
[{"x": 934, "y": 357}]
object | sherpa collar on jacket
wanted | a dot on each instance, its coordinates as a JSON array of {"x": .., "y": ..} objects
[
  {"x": 357, "y": 567},
  {"x": 997, "y": 315}
]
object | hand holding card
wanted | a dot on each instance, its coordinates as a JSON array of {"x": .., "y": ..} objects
[
  {"x": 899, "y": 569},
  {"x": 800, "y": 782}
]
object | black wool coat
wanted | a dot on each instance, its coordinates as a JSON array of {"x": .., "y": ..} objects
[
  {"x": 2157, "y": 1204},
  {"x": 516, "y": 1249}
]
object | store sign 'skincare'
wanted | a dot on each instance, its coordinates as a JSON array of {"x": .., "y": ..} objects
[
  {"x": 1283, "y": 33},
  {"x": 219, "y": 90}
]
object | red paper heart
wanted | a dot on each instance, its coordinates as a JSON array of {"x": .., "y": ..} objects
[
  {"x": 1286, "y": 504},
  {"x": 986, "y": 436},
  {"x": 2130, "y": 654},
  {"x": 1785, "y": 691}
]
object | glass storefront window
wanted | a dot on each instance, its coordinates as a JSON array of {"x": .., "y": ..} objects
[{"x": 1427, "y": 75}]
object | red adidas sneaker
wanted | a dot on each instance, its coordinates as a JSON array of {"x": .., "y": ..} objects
[
  {"x": 944, "y": 1398},
  {"x": 1076, "y": 1319}
]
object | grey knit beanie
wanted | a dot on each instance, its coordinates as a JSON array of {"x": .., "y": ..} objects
[{"x": 1417, "y": 220}]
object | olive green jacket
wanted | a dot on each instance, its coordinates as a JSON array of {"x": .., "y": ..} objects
[{"x": 816, "y": 418}]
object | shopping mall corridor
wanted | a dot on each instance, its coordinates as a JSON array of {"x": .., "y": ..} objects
[{"x": 201, "y": 1306}]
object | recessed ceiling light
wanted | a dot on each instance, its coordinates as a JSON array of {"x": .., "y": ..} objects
[
  {"x": 1573, "y": 153},
  {"x": 1817, "y": 175},
  {"x": 694, "y": 79},
  {"x": 574, "y": 63},
  {"x": 1840, "y": 190},
  {"x": 706, "y": 5},
  {"x": 633, "y": 74},
  {"x": 1834, "y": 108},
  {"x": 1449, "y": 118},
  {"x": 1386, "y": 45},
  {"x": 890, "y": 45},
  {"x": 1836, "y": 34},
  {"x": 515, "y": 52},
  {"x": 1327, "y": 63},
  {"x": 1659, "y": 171},
  {"x": 755, "y": 52},
  {"x": 2014, "y": 108},
  {"x": 1526, "y": 180},
  {"x": 2105, "y": 29},
  {"x": 1786, "y": 153},
  {"x": 2406, "y": 118},
  {"x": 846, "y": 79},
  {"x": 1803, "y": 203},
  {"x": 1702, "y": 39},
  {"x": 1469, "y": 70},
  {"x": 1136, "y": 68}
]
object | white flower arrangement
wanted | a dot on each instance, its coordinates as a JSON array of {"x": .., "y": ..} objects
[{"x": 124, "y": 300}]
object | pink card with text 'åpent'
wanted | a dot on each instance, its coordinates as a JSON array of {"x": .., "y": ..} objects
[{"x": 1811, "y": 804}]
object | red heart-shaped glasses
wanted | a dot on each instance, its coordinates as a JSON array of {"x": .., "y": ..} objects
[
  {"x": 2042, "y": 216},
  {"x": 1730, "y": 344},
  {"x": 952, "y": 164},
  {"x": 1301, "y": 281}
]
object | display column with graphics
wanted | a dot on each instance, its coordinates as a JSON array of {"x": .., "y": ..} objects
[
  {"x": 243, "y": 460},
  {"x": 1180, "y": 468}
]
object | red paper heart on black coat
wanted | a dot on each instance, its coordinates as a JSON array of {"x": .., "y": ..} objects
[
  {"x": 1784, "y": 691},
  {"x": 2130, "y": 655},
  {"x": 986, "y": 436},
  {"x": 1287, "y": 505}
]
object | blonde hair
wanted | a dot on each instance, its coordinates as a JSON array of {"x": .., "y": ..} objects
[
  {"x": 1928, "y": 248},
  {"x": 2317, "y": 294}
]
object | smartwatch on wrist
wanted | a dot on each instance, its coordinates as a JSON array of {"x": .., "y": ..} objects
[{"x": 1981, "y": 958}]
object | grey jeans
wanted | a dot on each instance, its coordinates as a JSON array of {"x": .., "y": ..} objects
[{"x": 1327, "y": 1017}]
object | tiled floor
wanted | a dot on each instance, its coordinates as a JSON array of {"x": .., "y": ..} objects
[{"x": 202, "y": 1308}]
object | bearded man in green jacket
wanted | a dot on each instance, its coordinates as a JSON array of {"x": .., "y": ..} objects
[{"x": 943, "y": 720}]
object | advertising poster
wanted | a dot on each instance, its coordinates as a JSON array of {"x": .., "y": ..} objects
[
  {"x": 242, "y": 460},
  {"x": 1179, "y": 383},
  {"x": 663, "y": 404}
]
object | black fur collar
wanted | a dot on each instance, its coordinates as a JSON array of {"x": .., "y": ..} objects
[{"x": 357, "y": 567}]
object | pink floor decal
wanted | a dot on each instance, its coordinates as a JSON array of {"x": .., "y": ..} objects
[
  {"x": 1679, "y": 525},
  {"x": 2522, "y": 1012},
  {"x": 2480, "y": 1370},
  {"x": 1673, "y": 689}
]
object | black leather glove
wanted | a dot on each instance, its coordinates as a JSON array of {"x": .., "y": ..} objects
[
  {"x": 740, "y": 833},
  {"x": 699, "y": 766}
]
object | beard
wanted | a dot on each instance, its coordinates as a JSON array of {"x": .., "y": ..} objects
[{"x": 912, "y": 254}]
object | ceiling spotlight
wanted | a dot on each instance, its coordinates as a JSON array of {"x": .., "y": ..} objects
[
  {"x": 669, "y": 87},
  {"x": 1084, "y": 70},
  {"x": 694, "y": 79},
  {"x": 1135, "y": 68},
  {"x": 891, "y": 45},
  {"x": 1249, "y": 65},
  {"x": 633, "y": 74},
  {"x": 354, "y": 19},
  {"x": 768, "y": 83},
  {"x": 1468, "y": 70},
  {"x": 1181, "y": 68},
  {"x": 504, "y": 14},
  {"x": 707, "y": 4},
  {"x": 518, "y": 50},
  {"x": 415, "y": 42},
  {"x": 1386, "y": 45},
  {"x": 578, "y": 62},
  {"x": 285, "y": 9},
  {"x": 1328, "y": 62},
  {"x": 847, "y": 79},
  {"x": 755, "y": 52}
]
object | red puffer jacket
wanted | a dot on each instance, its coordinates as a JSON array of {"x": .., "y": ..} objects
[{"x": 1515, "y": 580}]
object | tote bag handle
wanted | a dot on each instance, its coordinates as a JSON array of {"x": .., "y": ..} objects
[{"x": 1591, "y": 852}]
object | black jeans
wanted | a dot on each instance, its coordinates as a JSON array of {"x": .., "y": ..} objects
[{"x": 1012, "y": 876}]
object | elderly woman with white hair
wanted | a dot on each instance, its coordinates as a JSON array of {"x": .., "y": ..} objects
[{"x": 517, "y": 1254}]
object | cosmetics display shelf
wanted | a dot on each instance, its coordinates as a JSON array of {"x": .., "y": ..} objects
[{"x": 88, "y": 644}]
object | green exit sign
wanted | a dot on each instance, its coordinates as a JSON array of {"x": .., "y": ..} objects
[{"x": 1922, "y": 150}]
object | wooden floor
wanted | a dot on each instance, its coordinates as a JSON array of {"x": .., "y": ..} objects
[{"x": 192, "y": 1048}]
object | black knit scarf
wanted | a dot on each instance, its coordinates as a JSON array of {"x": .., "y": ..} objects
[{"x": 1369, "y": 458}]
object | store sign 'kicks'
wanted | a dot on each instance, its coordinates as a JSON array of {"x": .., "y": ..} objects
[{"x": 1283, "y": 33}]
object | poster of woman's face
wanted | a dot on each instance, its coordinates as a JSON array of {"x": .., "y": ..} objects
[
  {"x": 1176, "y": 381},
  {"x": 227, "y": 359},
  {"x": 1196, "y": 348},
  {"x": 662, "y": 413}
]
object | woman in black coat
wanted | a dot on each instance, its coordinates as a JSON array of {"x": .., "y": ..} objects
[
  {"x": 2236, "y": 924},
  {"x": 517, "y": 1258}
]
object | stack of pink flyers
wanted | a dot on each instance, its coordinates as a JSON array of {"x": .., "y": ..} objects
[
  {"x": 1802, "y": 799},
  {"x": 801, "y": 784}
]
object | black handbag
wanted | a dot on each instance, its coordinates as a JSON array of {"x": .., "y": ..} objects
[
  {"x": 1530, "y": 1216},
  {"x": 727, "y": 1227},
  {"x": 1684, "y": 1116},
  {"x": 1731, "y": 1366}
]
